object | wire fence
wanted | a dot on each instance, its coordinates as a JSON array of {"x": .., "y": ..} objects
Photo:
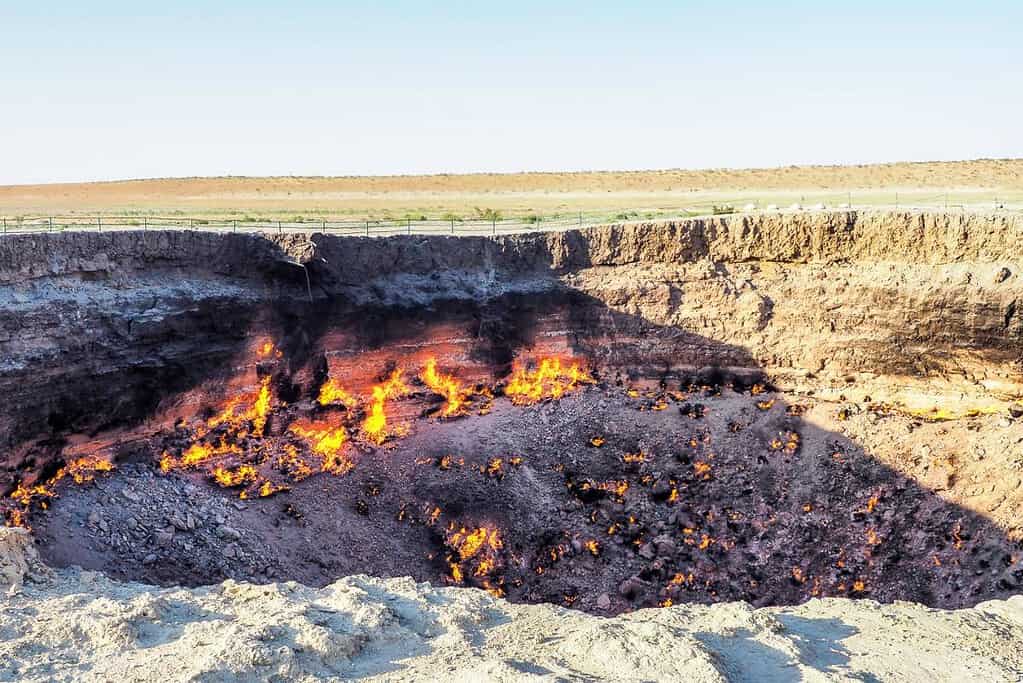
[
  {"x": 498, "y": 225},
  {"x": 367, "y": 228}
]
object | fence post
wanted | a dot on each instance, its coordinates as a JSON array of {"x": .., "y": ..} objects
[
  {"x": 280, "y": 230},
  {"x": 145, "y": 223},
  {"x": 580, "y": 219},
  {"x": 452, "y": 226},
  {"x": 323, "y": 226},
  {"x": 99, "y": 223},
  {"x": 408, "y": 225},
  {"x": 5, "y": 225},
  {"x": 367, "y": 228}
]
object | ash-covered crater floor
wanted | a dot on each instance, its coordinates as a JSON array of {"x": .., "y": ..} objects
[{"x": 606, "y": 500}]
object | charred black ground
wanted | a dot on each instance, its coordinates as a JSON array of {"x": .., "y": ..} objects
[{"x": 720, "y": 502}]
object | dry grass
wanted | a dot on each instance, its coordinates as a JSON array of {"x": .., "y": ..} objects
[{"x": 967, "y": 182}]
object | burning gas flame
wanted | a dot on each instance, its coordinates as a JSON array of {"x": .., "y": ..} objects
[
  {"x": 243, "y": 475},
  {"x": 327, "y": 441},
  {"x": 375, "y": 424},
  {"x": 476, "y": 553},
  {"x": 455, "y": 395},
  {"x": 551, "y": 379},
  {"x": 80, "y": 470},
  {"x": 332, "y": 392},
  {"x": 83, "y": 470},
  {"x": 267, "y": 350},
  {"x": 256, "y": 413},
  {"x": 197, "y": 454}
]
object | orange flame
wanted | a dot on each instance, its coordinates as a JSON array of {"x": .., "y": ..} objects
[
  {"x": 447, "y": 386},
  {"x": 549, "y": 380},
  {"x": 333, "y": 392},
  {"x": 256, "y": 413},
  {"x": 481, "y": 546},
  {"x": 293, "y": 464},
  {"x": 243, "y": 475},
  {"x": 197, "y": 454},
  {"x": 325, "y": 440},
  {"x": 81, "y": 471},
  {"x": 375, "y": 424}
]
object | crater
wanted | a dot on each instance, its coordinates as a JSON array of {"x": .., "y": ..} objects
[{"x": 763, "y": 408}]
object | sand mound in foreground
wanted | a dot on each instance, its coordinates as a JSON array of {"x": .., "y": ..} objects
[{"x": 79, "y": 625}]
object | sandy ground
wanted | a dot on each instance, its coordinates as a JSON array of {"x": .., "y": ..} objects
[
  {"x": 75, "y": 625},
  {"x": 975, "y": 184}
]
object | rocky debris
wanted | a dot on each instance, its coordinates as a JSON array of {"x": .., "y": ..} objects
[
  {"x": 162, "y": 534},
  {"x": 19, "y": 561},
  {"x": 80, "y": 625}
]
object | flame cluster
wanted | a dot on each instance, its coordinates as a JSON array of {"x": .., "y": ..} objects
[
  {"x": 551, "y": 379},
  {"x": 239, "y": 447},
  {"x": 80, "y": 471},
  {"x": 476, "y": 554}
]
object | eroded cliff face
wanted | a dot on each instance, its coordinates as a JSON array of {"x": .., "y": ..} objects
[{"x": 102, "y": 331}]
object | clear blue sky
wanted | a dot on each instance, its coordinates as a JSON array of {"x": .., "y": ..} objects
[{"x": 105, "y": 90}]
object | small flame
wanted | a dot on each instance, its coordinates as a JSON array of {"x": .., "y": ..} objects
[
  {"x": 327, "y": 441},
  {"x": 455, "y": 395},
  {"x": 256, "y": 413},
  {"x": 243, "y": 475},
  {"x": 495, "y": 468},
  {"x": 81, "y": 471},
  {"x": 332, "y": 392},
  {"x": 551, "y": 379},
  {"x": 197, "y": 454},
  {"x": 481, "y": 547},
  {"x": 375, "y": 424}
]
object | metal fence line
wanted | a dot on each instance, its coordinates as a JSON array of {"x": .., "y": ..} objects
[{"x": 473, "y": 226}]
